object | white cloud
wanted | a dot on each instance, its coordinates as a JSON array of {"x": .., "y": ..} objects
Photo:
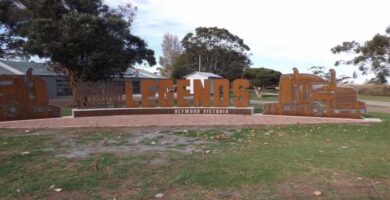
[{"x": 295, "y": 33}]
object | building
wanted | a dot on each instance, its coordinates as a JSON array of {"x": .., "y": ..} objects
[
  {"x": 58, "y": 85},
  {"x": 202, "y": 76},
  {"x": 136, "y": 75}
]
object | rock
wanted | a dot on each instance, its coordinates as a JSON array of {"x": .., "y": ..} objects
[
  {"x": 208, "y": 151},
  {"x": 18, "y": 190},
  {"x": 159, "y": 195},
  {"x": 153, "y": 142},
  {"x": 359, "y": 178},
  {"x": 52, "y": 187},
  {"x": 25, "y": 152},
  {"x": 164, "y": 142},
  {"x": 27, "y": 131},
  {"x": 317, "y": 193},
  {"x": 58, "y": 189}
]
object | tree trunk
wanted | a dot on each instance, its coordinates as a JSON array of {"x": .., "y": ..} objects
[
  {"x": 73, "y": 83},
  {"x": 259, "y": 91}
]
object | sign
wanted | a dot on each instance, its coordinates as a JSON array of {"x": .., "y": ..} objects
[
  {"x": 163, "y": 97},
  {"x": 310, "y": 95},
  {"x": 166, "y": 97},
  {"x": 24, "y": 97}
]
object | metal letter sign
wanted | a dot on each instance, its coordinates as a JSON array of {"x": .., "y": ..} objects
[
  {"x": 310, "y": 95},
  {"x": 24, "y": 97},
  {"x": 159, "y": 97},
  {"x": 201, "y": 96}
]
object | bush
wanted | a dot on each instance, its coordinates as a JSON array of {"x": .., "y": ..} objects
[{"x": 373, "y": 89}]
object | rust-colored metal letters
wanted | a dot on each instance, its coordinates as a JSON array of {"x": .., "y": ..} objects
[
  {"x": 310, "y": 95},
  {"x": 24, "y": 97},
  {"x": 164, "y": 89}
]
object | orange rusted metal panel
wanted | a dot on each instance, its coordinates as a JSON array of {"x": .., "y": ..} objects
[
  {"x": 148, "y": 93},
  {"x": 24, "y": 97},
  {"x": 129, "y": 94},
  {"x": 202, "y": 94},
  {"x": 310, "y": 95},
  {"x": 241, "y": 95},
  {"x": 182, "y": 92},
  {"x": 221, "y": 93},
  {"x": 165, "y": 93}
]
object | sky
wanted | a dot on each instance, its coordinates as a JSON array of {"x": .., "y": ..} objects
[{"x": 282, "y": 34}]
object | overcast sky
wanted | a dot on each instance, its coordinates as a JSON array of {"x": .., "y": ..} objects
[{"x": 282, "y": 34}]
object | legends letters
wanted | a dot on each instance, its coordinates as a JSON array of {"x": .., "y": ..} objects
[{"x": 204, "y": 96}]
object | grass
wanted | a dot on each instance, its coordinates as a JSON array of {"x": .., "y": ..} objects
[
  {"x": 66, "y": 111},
  {"x": 269, "y": 95},
  {"x": 248, "y": 162}
]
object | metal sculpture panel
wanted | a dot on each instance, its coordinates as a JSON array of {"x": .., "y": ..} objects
[
  {"x": 24, "y": 97},
  {"x": 99, "y": 94},
  {"x": 310, "y": 95}
]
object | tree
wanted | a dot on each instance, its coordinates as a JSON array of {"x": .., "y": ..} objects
[
  {"x": 373, "y": 55},
  {"x": 84, "y": 39},
  {"x": 319, "y": 71},
  {"x": 171, "y": 49},
  {"x": 261, "y": 78},
  {"x": 215, "y": 50}
]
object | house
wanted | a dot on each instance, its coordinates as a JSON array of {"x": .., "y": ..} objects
[
  {"x": 202, "y": 76},
  {"x": 136, "y": 75},
  {"x": 58, "y": 85}
]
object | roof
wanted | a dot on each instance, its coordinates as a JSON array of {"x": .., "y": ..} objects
[
  {"x": 140, "y": 73},
  {"x": 205, "y": 74},
  {"x": 43, "y": 69},
  {"x": 20, "y": 68}
]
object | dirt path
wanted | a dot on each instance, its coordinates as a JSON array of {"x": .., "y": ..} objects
[{"x": 201, "y": 120}]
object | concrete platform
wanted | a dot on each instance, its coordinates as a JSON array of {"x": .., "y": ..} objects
[
  {"x": 161, "y": 110},
  {"x": 206, "y": 120}
]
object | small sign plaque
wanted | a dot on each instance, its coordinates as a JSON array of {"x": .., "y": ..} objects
[{"x": 159, "y": 110}]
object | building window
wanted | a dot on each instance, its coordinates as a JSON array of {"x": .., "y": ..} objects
[{"x": 63, "y": 87}]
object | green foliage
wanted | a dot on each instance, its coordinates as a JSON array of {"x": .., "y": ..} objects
[
  {"x": 220, "y": 52},
  {"x": 319, "y": 71},
  {"x": 373, "y": 55},
  {"x": 85, "y": 39},
  {"x": 262, "y": 77}
]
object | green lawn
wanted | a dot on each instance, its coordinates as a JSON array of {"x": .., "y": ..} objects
[
  {"x": 66, "y": 111},
  {"x": 274, "y": 162},
  {"x": 267, "y": 96}
]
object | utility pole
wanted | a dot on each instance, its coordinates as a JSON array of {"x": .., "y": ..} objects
[{"x": 200, "y": 63}]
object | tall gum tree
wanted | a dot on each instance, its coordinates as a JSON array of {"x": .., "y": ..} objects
[
  {"x": 214, "y": 50},
  {"x": 373, "y": 55}
]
